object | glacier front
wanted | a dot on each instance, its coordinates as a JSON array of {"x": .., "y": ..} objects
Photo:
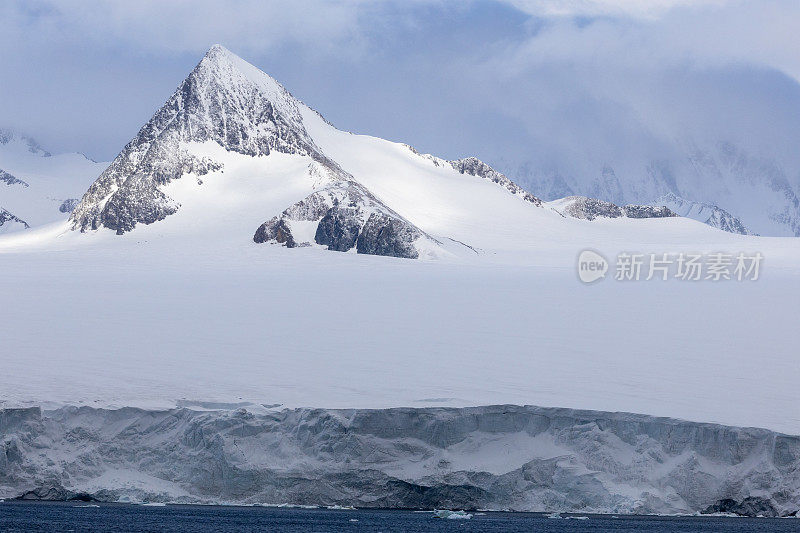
[{"x": 522, "y": 458}]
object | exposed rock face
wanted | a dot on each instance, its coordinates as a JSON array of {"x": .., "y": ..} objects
[
  {"x": 7, "y": 219},
  {"x": 56, "y": 493},
  {"x": 750, "y": 506},
  {"x": 592, "y": 208},
  {"x": 384, "y": 234},
  {"x": 723, "y": 220},
  {"x": 229, "y": 102},
  {"x": 223, "y": 100},
  {"x": 339, "y": 228},
  {"x": 275, "y": 230},
  {"x": 347, "y": 216},
  {"x": 709, "y": 214},
  {"x": 476, "y": 167},
  {"x": 9, "y": 179},
  {"x": 647, "y": 211},
  {"x": 68, "y": 205},
  {"x": 552, "y": 459}
]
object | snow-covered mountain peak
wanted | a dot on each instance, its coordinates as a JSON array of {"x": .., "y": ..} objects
[
  {"x": 228, "y": 127},
  {"x": 220, "y": 59},
  {"x": 233, "y": 154},
  {"x": 224, "y": 100},
  {"x": 228, "y": 100},
  {"x": 221, "y": 73}
]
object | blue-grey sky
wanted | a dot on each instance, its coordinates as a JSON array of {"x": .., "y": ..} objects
[{"x": 498, "y": 79}]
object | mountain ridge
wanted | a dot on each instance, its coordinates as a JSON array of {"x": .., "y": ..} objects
[
  {"x": 710, "y": 214},
  {"x": 35, "y": 184},
  {"x": 127, "y": 192},
  {"x": 759, "y": 191}
]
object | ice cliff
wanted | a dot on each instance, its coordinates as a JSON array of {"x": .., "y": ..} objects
[{"x": 496, "y": 457}]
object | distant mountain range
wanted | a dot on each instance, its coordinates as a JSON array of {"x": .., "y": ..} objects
[
  {"x": 244, "y": 111},
  {"x": 227, "y": 108},
  {"x": 37, "y": 187},
  {"x": 721, "y": 184}
]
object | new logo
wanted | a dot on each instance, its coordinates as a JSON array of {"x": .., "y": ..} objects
[{"x": 591, "y": 266}]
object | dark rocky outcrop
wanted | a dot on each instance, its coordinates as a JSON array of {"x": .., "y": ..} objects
[
  {"x": 8, "y": 218},
  {"x": 750, "y": 506},
  {"x": 647, "y": 211},
  {"x": 348, "y": 216},
  {"x": 56, "y": 493},
  {"x": 588, "y": 208},
  {"x": 276, "y": 230},
  {"x": 591, "y": 208},
  {"x": 339, "y": 228},
  {"x": 68, "y": 205},
  {"x": 476, "y": 167},
  {"x": 386, "y": 235},
  {"x": 9, "y": 179},
  {"x": 140, "y": 201}
]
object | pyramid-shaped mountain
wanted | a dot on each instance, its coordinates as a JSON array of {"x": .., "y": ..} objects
[
  {"x": 224, "y": 100},
  {"x": 233, "y": 154}
]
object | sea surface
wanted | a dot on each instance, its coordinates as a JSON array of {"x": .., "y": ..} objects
[{"x": 80, "y": 517}]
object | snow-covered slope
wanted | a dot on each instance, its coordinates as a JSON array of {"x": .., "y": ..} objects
[
  {"x": 759, "y": 190},
  {"x": 37, "y": 187},
  {"x": 227, "y": 108},
  {"x": 227, "y": 177},
  {"x": 345, "y": 192},
  {"x": 155, "y": 294},
  {"x": 709, "y": 214}
]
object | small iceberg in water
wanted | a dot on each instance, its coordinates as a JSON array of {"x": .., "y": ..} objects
[{"x": 451, "y": 515}]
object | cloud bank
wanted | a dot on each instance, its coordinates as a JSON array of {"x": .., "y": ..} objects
[{"x": 501, "y": 79}]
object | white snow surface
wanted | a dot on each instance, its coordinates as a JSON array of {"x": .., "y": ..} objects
[
  {"x": 190, "y": 309},
  {"x": 50, "y": 180}
]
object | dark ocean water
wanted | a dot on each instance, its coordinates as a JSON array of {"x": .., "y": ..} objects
[{"x": 77, "y": 517}]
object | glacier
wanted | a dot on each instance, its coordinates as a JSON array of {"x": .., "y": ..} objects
[
  {"x": 520, "y": 458},
  {"x": 373, "y": 320}
]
